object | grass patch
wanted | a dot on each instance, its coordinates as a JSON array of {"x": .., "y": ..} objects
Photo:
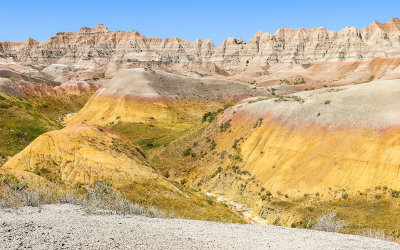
[
  {"x": 20, "y": 124},
  {"x": 151, "y": 137}
]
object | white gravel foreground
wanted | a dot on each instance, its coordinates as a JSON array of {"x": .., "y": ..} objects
[{"x": 68, "y": 227}]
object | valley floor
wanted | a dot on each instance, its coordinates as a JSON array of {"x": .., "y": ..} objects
[{"x": 67, "y": 226}]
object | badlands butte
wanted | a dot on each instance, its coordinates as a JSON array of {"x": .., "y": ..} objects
[{"x": 280, "y": 129}]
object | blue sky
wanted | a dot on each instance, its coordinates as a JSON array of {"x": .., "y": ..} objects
[{"x": 206, "y": 19}]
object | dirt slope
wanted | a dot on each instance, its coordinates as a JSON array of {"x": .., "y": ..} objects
[{"x": 65, "y": 226}]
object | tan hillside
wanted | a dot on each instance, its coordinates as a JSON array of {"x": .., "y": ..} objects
[
  {"x": 345, "y": 137},
  {"x": 333, "y": 147},
  {"x": 153, "y": 108},
  {"x": 321, "y": 74}
]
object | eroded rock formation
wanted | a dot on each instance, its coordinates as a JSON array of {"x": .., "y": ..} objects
[{"x": 94, "y": 47}]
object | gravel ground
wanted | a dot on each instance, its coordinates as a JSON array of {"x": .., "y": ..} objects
[{"x": 67, "y": 226}]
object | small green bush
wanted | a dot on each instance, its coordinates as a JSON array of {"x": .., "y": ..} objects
[
  {"x": 395, "y": 193},
  {"x": 224, "y": 126},
  {"x": 187, "y": 151},
  {"x": 213, "y": 145},
  {"x": 14, "y": 183},
  {"x": 166, "y": 174}
]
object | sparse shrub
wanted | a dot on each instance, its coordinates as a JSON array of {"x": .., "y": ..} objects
[
  {"x": 236, "y": 169},
  {"x": 102, "y": 188},
  {"x": 213, "y": 145},
  {"x": 235, "y": 144},
  {"x": 183, "y": 182},
  {"x": 153, "y": 212},
  {"x": 228, "y": 105},
  {"x": 224, "y": 126},
  {"x": 219, "y": 169},
  {"x": 42, "y": 171},
  {"x": 377, "y": 234},
  {"x": 187, "y": 151},
  {"x": 345, "y": 196},
  {"x": 327, "y": 102},
  {"x": 258, "y": 122},
  {"x": 277, "y": 221},
  {"x": 209, "y": 117},
  {"x": 244, "y": 172},
  {"x": 395, "y": 193},
  {"x": 237, "y": 157},
  {"x": 329, "y": 223},
  {"x": 310, "y": 209},
  {"x": 293, "y": 225},
  {"x": 97, "y": 198},
  {"x": 289, "y": 98},
  {"x": 14, "y": 183},
  {"x": 166, "y": 174},
  {"x": 378, "y": 196},
  {"x": 34, "y": 198},
  {"x": 209, "y": 200}
]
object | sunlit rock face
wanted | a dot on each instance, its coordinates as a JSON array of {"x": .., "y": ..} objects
[
  {"x": 311, "y": 142},
  {"x": 99, "y": 46}
]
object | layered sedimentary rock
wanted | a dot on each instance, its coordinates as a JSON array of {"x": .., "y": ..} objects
[
  {"x": 94, "y": 47},
  {"x": 153, "y": 107},
  {"x": 343, "y": 138},
  {"x": 136, "y": 95},
  {"x": 322, "y": 74}
]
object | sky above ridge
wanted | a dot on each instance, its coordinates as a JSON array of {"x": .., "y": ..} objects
[{"x": 205, "y": 19}]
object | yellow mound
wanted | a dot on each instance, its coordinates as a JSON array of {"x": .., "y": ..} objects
[
  {"x": 153, "y": 108},
  {"x": 84, "y": 154}
]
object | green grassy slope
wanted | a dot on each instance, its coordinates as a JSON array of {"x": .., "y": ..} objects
[{"x": 20, "y": 123}]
